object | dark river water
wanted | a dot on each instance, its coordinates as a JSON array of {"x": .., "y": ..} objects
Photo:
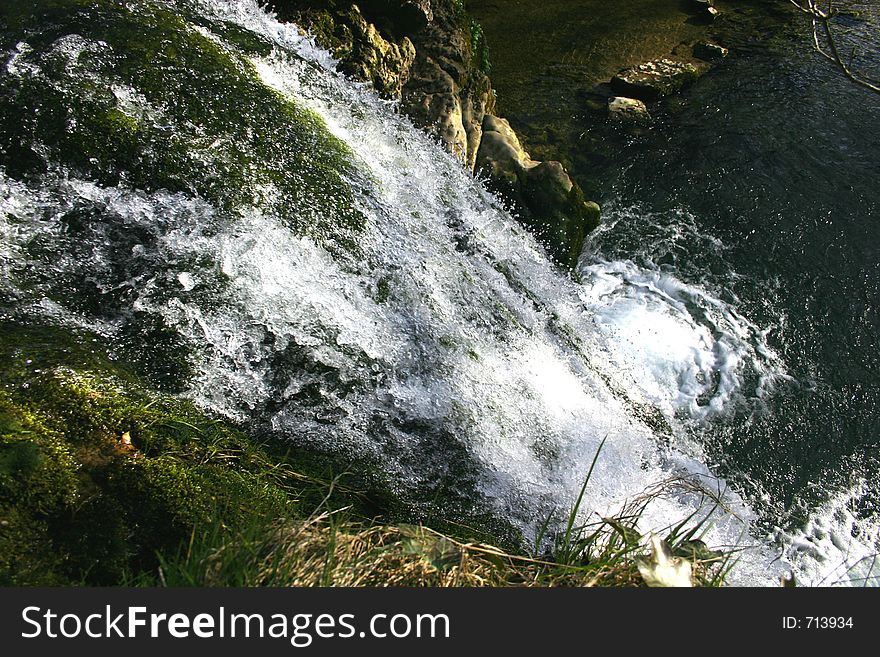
[{"x": 761, "y": 184}]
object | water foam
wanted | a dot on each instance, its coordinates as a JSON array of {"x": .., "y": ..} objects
[
  {"x": 684, "y": 350},
  {"x": 837, "y": 546}
]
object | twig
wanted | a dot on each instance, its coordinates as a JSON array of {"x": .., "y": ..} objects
[{"x": 822, "y": 25}]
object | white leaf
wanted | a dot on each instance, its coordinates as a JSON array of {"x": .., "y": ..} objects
[{"x": 663, "y": 569}]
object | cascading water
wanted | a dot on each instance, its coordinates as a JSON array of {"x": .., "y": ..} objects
[{"x": 435, "y": 343}]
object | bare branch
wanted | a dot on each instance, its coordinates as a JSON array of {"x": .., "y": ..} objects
[{"x": 822, "y": 33}]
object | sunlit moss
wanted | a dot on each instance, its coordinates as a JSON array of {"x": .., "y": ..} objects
[
  {"x": 210, "y": 127},
  {"x": 80, "y": 504}
]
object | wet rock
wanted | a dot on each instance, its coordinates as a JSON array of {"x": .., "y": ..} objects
[
  {"x": 441, "y": 114},
  {"x": 709, "y": 51},
  {"x": 449, "y": 92},
  {"x": 429, "y": 54},
  {"x": 557, "y": 212},
  {"x": 550, "y": 203},
  {"x": 501, "y": 156},
  {"x": 363, "y": 50},
  {"x": 384, "y": 63},
  {"x": 398, "y": 17},
  {"x": 436, "y": 101},
  {"x": 705, "y": 9},
  {"x": 628, "y": 110},
  {"x": 655, "y": 79}
]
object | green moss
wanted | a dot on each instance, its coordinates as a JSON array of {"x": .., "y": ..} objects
[
  {"x": 78, "y": 505},
  {"x": 383, "y": 290},
  {"x": 330, "y": 32},
  {"x": 582, "y": 218},
  {"x": 36, "y": 465},
  {"x": 247, "y": 42},
  {"x": 478, "y": 46},
  {"x": 208, "y": 126}
]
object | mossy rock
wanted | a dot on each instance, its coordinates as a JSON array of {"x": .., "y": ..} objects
[
  {"x": 558, "y": 214},
  {"x": 153, "y": 98},
  {"x": 79, "y": 504}
]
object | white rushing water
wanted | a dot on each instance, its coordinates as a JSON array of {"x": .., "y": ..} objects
[{"x": 448, "y": 344}]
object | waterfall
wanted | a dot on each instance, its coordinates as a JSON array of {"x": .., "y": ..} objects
[{"x": 436, "y": 343}]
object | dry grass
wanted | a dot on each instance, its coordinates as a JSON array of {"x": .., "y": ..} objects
[
  {"x": 318, "y": 552},
  {"x": 335, "y": 548},
  {"x": 327, "y": 551}
]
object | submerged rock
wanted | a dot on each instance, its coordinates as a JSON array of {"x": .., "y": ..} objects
[
  {"x": 628, "y": 110},
  {"x": 655, "y": 79},
  {"x": 709, "y": 51},
  {"x": 706, "y": 9}
]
